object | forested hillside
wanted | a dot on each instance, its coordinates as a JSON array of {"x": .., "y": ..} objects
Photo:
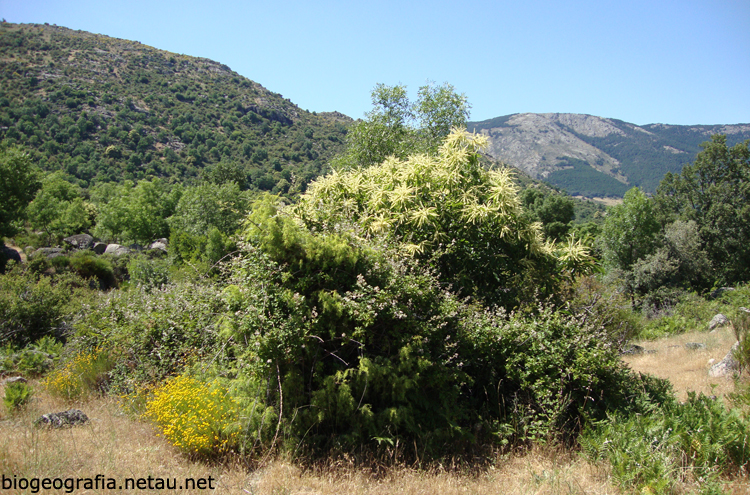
[{"x": 105, "y": 109}]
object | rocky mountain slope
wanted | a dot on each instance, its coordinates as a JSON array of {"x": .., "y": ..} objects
[{"x": 595, "y": 156}]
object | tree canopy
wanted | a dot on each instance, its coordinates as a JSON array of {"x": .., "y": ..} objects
[
  {"x": 714, "y": 192},
  {"x": 398, "y": 127},
  {"x": 19, "y": 182},
  {"x": 630, "y": 231}
]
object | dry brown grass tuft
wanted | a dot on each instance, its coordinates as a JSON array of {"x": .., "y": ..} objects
[
  {"x": 687, "y": 369},
  {"x": 543, "y": 471},
  {"x": 118, "y": 446}
]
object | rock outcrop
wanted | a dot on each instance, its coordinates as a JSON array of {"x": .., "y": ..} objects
[
  {"x": 71, "y": 417},
  {"x": 727, "y": 366}
]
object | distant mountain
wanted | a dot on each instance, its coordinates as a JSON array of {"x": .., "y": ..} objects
[
  {"x": 595, "y": 156},
  {"x": 107, "y": 109}
]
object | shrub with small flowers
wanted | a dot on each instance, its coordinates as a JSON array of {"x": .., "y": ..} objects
[
  {"x": 87, "y": 372},
  {"x": 196, "y": 417}
]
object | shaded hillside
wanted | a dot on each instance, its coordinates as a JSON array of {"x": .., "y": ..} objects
[
  {"x": 106, "y": 109},
  {"x": 595, "y": 156}
]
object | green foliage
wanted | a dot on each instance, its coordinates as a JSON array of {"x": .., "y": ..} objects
[
  {"x": 439, "y": 110},
  {"x": 694, "y": 442},
  {"x": 369, "y": 350},
  {"x": 580, "y": 178},
  {"x": 396, "y": 127},
  {"x": 38, "y": 358},
  {"x": 448, "y": 211},
  {"x": 630, "y": 231},
  {"x": 59, "y": 210},
  {"x": 135, "y": 213},
  {"x": 155, "y": 331},
  {"x": 151, "y": 114},
  {"x": 601, "y": 306},
  {"x": 91, "y": 266},
  {"x": 32, "y": 306},
  {"x": 553, "y": 373},
  {"x": 17, "y": 395},
  {"x": 714, "y": 192},
  {"x": 18, "y": 184},
  {"x": 554, "y": 211},
  {"x": 148, "y": 273},
  {"x": 208, "y": 206}
]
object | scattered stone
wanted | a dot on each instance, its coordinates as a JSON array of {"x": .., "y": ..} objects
[
  {"x": 718, "y": 321},
  {"x": 49, "y": 252},
  {"x": 71, "y": 417},
  {"x": 80, "y": 241},
  {"x": 744, "y": 309},
  {"x": 15, "y": 379},
  {"x": 711, "y": 361},
  {"x": 99, "y": 247},
  {"x": 726, "y": 366},
  {"x": 116, "y": 250},
  {"x": 160, "y": 244},
  {"x": 633, "y": 349},
  {"x": 694, "y": 346}
]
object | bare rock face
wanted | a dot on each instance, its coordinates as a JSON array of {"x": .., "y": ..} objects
[
  {"x": 99, "y": 247},
  {"x": 727, "y": 366},
  {"x": 160, "y": 244},
  {"x": 534, "y": 142},
  {"x": 116, "y": 249},
  {"x": 718, "y": 321},
  {"x": 80, "y": 241},
  {"x": 71, "y": 417}
]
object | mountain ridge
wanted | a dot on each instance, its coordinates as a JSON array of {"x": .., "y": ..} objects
[
  {"x": 107, "y": 109},
  {"x": 597, "y": 156}
]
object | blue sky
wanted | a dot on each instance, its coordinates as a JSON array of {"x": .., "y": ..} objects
[{"x": 641, "y": 61}]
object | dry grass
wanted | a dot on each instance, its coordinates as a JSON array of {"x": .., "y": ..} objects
[
  {"x": 118, "y": 446},
  {"x": 541, "y": 472},
  {"x": 687, "y": 369},
  {"x": 111, "y": 444}
]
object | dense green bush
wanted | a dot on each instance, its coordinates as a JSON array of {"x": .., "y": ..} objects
[
  {"x": 601, "y": 306},
  {"x": 695, "y": 442},
  {"x": 32, "y": 306},
  {"x": 90, "y": 266},
  {"x": 156, "y": 331},
  {"x": 17, "y": 395},
  {"x": 148, "y": 273},
  {"x": 370, "y": 351}
]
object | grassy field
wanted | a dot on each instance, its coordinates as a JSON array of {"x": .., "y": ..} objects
[{"x": 120, "y": 446}]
